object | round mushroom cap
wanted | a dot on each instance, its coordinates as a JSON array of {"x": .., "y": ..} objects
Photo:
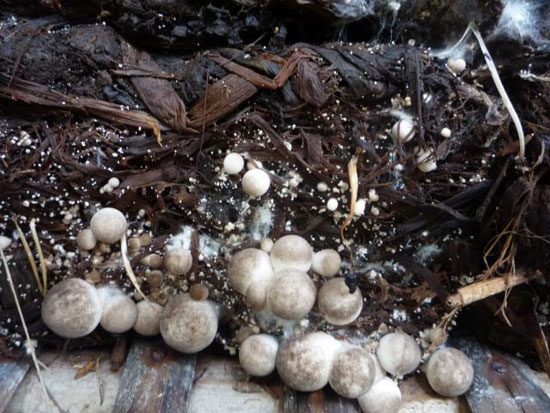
[
  {"x": 86, "y": 240},
  {"x": 403, "y": 130},
  {"x": 148, "y": 318},
  {"x": 187, "y": 325},
  {"x": 291, "y": 251},
  {"x": 257, "y": 354},
  {"x": 337, "y": 304},
  {"x": 255, "y": 183},
  {"x": 291, "y": 294},
  {"x": 178, "y": 261},
  {"x": 398, "y": 354},
  {"x": 457, "y": 66},
  {"x": 326, "y": 263},
  {"x": 248, "y": 266},
  {"x": 384, "y": 396},
  {"x": 352, "y": 372},
  {"x": 450, "y": 372},
  {"x": 108, "y": 225},
  {"x": 304, "y": 363},
  {"x": 233, "y": 163},
  {"x": 256, "y": 295},
  {"x": 119, "y": 311},
  {"x": 72, "y": 308}
]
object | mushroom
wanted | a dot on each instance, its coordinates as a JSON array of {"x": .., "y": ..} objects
[
  {"x": 403, "y": 130},
  {"x": 379, "y": 372},
  {"x": 337, "y": 304},
  {"x": 255, "y": 183},
  {"x": 188, "y": 325},
  {"x": 86, "y": 240},
  {"x": 148, "y": 318},
  {"x": 178, "y": 261},
  {"x": 248, "y": 267},
  {"x": 384, "y": 396},
  {"x": 72, "y": 308},
  {"x": 266, "y": 245},
  {"x": 457, "y": 66},
  {"x": 352, "y": 373},
  {"x": 233, "y": 163},
  {"x": 425, "y": 159},
  {"x": 450, "y": 372},
  {"x": 291, "y": 294},
  {"x": 398, "y": 354},
  {"x": 119, "y": 311},
  {"x": 326, "y": 263},
  {"x": 332, "y": 204},
  {"x": 304, "y": 363},
  {"x": 291, "y": 251},
  {"x": 152, "y": 261},
  {"x": 108, "y": 225},
  {"x": 257, "y": 354}
]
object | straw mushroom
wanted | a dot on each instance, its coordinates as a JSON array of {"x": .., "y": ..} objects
[
  {"x": 384, "y": 396},
  {"x": 398, "y": 354},
  {"x": 304, "y": 363},
  {"x": 337, "y": 304},
  {"x": 119, "y": 311},
  {"x": 352, "y": 372},
  {"x": 86, "y": 240},
  {"x": 450, "y": 372},
  {"x": 326, "y": 263},
  {"x": 257, "y": 354},
  {"x": 178, "y": 261},
  {"x": 291, "y": 294},
  {"x": 291, "y": 251},
  {"x": 148, "y": 318},
  {"x": 188, "y": 325},
  {"x": 403, "y": 130},
  {"x": 255, "y": 183},
  {"x": 248, "y": 267},
  {"x": 72, "y": 308},
  {"x": 108, "y": 225},
  {"x": 233, "y": 163}
]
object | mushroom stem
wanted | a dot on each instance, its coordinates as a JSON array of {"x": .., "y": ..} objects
[{"x": 41, "y": 259}]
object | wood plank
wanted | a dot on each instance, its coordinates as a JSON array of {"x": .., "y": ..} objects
[
  {"x": 155, "y": 379},
  {"x": 11, "y": 375},
  {"x": 324, "y": 400}
]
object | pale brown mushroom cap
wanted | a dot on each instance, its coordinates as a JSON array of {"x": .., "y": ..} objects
[
  {"x": 398, "y": 354},
  {"x": 291, "y": 251},
  {"x": 352, "y": 372},
  {"x": 86, "y": 240},
  {"x": 337, "y": 304},
  {"x": 291, "y": 294},
  {"x": 148, "y": 318},
  {"x": 72, "y": 308},
  {"x": 304, "y": 363},
  {"x": 450, "y": 372},
  {"x": 326, "y": 263},
  {"x": 187, "y": 325},
  {"x": 178, "y": 261},
  {"x": 119, "y": 311},
  {"x": 384, "y": 396},
  {"x": 257, "y": 354},
  {"x": 108, "y": 225},
  {"x": 248, "y": 266}
]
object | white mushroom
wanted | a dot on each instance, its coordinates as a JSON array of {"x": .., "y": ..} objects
[
  {"x": 257, "y": 354},
  {"x": 255, "y": 183},
  {"x": 188, "y": 325},
  {"x": 266, "y": 245},
  {"x": 456, "y": 66},
  {"x": 352, "y": 372},
  {"x": 108, "y": 225},
  {"x": 450, "y": 372},
  {"x": 332, "y": 204},
  {"x": 425, "y": 160},
  {"x": 326, "y": 263},
  {"x": 72, "y": 308},
  {"x": 337, "y": 304},
  {"x": 233, "y": 163},
  {"x": 384, "y": 396},
  {"x": 291, "y": 294},
  {"x": 113, "y": 182},
  {"x": 86, "y": 240},
  {"x": 403, "y": 130},
  {"x": 379, "y": 372},
  {"x": 119, "y": 311},
  {"x": 148, "y": 318},
  {"x": 178, "y": 261},
  {"x": 304, "y": 363},
  {"x": 398, "y": 354},
  {"x": 247, "y": 267},
  {"x": 291, "y": 251}
]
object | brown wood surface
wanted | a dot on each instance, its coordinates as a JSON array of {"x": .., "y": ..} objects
[{"x": 324, "y": 400}]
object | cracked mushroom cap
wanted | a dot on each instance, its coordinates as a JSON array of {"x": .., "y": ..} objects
[
  {"x": 108, "y": 225},
  {"x": 304, "y": 363},
  {"x": 178, "y": 261},
  {"x": 450, "y": 372},
  {"x": 257, "y": 354},
  {"x": 326, "y": 263},
  {"x": 119, "y": 311},
  {"x": 337, "y": 304},
  {"x": 291, "y": 294},
  {"x": 249, "y": 266},
  {"x": 148, "y": 318},
  {"x": 384, "y": 396},
  {"x": 291, "y": 251},
  {"x": 352, "y": 372},
  {"x": 188, "y": 325},
  {"x": 398, "y": 354},
  {"x": 72, "y": 308}
]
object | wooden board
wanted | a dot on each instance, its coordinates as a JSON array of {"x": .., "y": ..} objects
[
  {"x": 324, "y": 400},
  {"x": 11, "y": 375}
]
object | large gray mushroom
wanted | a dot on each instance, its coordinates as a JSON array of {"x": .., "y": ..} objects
[
  {"x": 450, "y": 372},
  {"x": 352, "y": 372},
  {"x": 398, "y": 354}
]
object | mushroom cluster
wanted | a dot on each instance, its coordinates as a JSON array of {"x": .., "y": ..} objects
[{"x": 255, "y": 182}]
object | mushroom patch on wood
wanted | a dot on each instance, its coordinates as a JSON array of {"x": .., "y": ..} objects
[
  {"x": 337, "y": 305},
  {"x": 398, "y": 354},
  {"x": 257, "y": 354},
  {"x": 352, "y": 372},
  {"x": 108, "y": 225},
  {"x": 384, "y": 396},
  {"x": 450, "y": 372}
]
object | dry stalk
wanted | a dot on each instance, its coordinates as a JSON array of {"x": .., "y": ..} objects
[
  {"x": 30, "y": 258},
  {"x": 41, "y": 259},
  {"x": 354, "y": 188},
  {"x": 128, "y": 267}
]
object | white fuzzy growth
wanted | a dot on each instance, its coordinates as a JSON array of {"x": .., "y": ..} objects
[
  {"x": 426, "y": 252},
  {"x": 352, "y": 9},
  {"x": 208, "y": 246},
  {"x": 262, "y": 222},
  {"x": 521, "y": 19}
]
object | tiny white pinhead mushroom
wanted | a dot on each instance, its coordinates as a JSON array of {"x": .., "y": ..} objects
[
  {"x": 332, "y": 204},
  {"x": 86, "y": 240},
  {"x": 352, "y": 372},
  {"x": 113, "y": 182},
  {"x": 403, "y": 130},
  {"x": 291, "y": 251},
  {"x": 450, "y": 372},
  {"x": 233, "y": 163},
  {"x": 425, "y": 160},
  {"x": 4, "y": 242},
  {"x": 337, "y": 304},
  {"x": 398, "y": 354},
  {"x": 119, "y": 310},
  {"x": 266, "y": 245},
  {"x": 291, "y": 294},
  {"x": 326, "y": 263},
  {"x": 247, "y": 267},
  {"x": 384, "y": 396},
  {"x": 255, "y": 183},
  {"x": 257, "y": 354},
  {"x": 148, "y": 318},
  {"x": 456, "y": 66},
  {"x": 322, "y": 187},
  {"x": 72, "y": 308},
  {"x": 178, "y": 261},
  {"x": 304, "y": 363},
  {"x": 188, "y": 325},
  {"x": 108, "y": 225},
  {"x": 446, "y": 132}
]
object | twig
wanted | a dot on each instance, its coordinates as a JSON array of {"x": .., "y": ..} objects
[
  {"x": 30, "y": 258},
  {"x": 43, "y": 268},
  {"x": 128, "y": 267},
  {"x": 354, "y": 187}
]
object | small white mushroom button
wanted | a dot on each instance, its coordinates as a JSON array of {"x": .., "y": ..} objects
[
  {"x": 337, "y": 305},
  {"x": 119, "y": 311},
  {"x": 450, "y": 372},
  {"x": 257, "y": 354},
  {"x": 255, "y": 183},
  {"x": 352, "y": 372},
  {"x": 291, "y": 251},
  {"x": 148, "y": 318},
  {"x": 403, "y": 130},
  {"x": 86, "y": 240},
  {"x": 233, "y": 163},
  {"x": 326, "y": 263},
  {"x": 398, "y": 354},
  {"x": 108, "y": 225},
  {"x": 384, "y": 396}
]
